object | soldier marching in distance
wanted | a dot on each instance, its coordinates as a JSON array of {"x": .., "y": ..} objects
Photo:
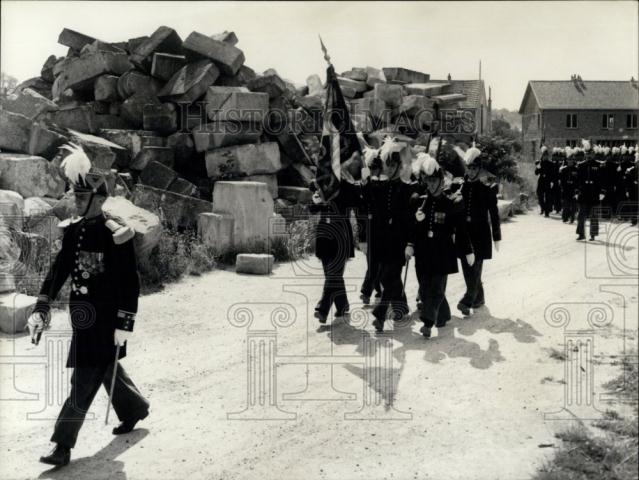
[
  {"x": 568, "y": 184},
  {"x": 544, "y": 169},
  {"x": 589, "y": 190}
]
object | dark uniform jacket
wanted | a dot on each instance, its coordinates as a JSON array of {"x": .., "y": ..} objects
[
  {"x": 436, "y": 252},
  {"x": 390, "y": 218},
  {"x": 613, "y": 178},
  {"x": 630, "y": 180},
  {"x": 568, "y": 181},
  {"x": 589, "y": 181},
  {"x": 546, "y": 170},
  {"x": 104, "y": 290},
  {"x": 482, "y": 217},
  {"x": 334, "y": 233}
]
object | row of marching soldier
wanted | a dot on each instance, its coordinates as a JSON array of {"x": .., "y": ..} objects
[
  {"x": 445, "y": 214},
  {"x": 588, "y": 183}
]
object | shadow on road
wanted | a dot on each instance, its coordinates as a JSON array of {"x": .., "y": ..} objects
[{"x": 102, "y": 465}]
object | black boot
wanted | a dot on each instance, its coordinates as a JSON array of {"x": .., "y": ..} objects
[
  {"x": 379, "y": 325},
  {"x": 426, "y": 331},
  {"x": 128, "y": 425},
  {"x": 320, "y": 316},
  {"x": 463, "y": 308},
  {"x": 59, "y": 456}
]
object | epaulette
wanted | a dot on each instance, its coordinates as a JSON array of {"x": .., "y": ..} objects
[
  {"x": 69, "y": 221},
  {"x": 122, "y": 233}
]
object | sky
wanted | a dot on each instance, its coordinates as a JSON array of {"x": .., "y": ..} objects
[{"x": 515, "y": 41}]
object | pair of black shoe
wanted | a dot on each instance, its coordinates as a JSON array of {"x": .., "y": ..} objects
[
  {"x": 322, "y": 318},
  {"x": 61, "y": 455}
]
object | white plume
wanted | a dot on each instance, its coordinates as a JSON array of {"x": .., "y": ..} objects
[
  {"x": 370, "y": 154},
  {"x": 389, "y": 146},
  {"x": 585, "y": 144},
  {"x": 424, "y": 163},
  {"x": 76, "y": 165},
  {"x": 469, "y": 155},
  {"x": 544, "y": 148},
  {"x": 569, "y": 152},
  {"x": 606, "y": 150},
  {"x": 616, "y": 150}
]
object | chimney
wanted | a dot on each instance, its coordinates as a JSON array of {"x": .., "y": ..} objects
[
  {"x": 449, "y": 77},
  {"x": 489, "y": 113}
]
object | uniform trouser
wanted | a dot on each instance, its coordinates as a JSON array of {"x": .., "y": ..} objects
[
  {"x": 544, "y": 197},
  {"x": 371, "y": 279},
  {"x": 587, "y": 210},
  {"x": 432, "y": 290},
  {"x": 334, "y": 291},
  {"x": 474, "y": 287},
  {"x": 128, "y": 402},
  {"x": 568, "y": 209},
  {"x": 556, "y": 196},
  {"x": 390, "y": 276}
]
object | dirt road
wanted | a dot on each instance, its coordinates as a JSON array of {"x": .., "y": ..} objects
[{"x": 467, "y": 404}]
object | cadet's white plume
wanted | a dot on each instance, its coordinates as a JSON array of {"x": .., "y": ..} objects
[
  {"x": 624, "y": 150},
  {"x": 544, "y": 148},
  {"x": 76, "y": 165},
  {"x": 424, "y": 163},
  {"x": 370, "y": 154},
  {"x": 585, "y": 144},
  {"x": 616, "y": 150},
  {"x": 606, "y": 150},
  {"x": 569, "y": 152},
  {"x": 389, "y": 146},
  {"x": 469, "y": 155}
]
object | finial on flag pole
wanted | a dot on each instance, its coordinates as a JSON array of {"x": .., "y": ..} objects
[{"x": 326, "y": 56}]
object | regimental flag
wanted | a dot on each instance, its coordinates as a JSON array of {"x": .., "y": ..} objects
[{"x": 339, "y": 139}]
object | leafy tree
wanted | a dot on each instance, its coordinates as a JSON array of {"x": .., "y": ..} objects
[
  {"x": 7, "y": 83},
  {"x": 499, "y": 156}
]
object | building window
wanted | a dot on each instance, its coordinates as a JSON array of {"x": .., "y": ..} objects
[
  {"x": 538, "y": 121},
  {"x": 571, "y": 120},
  {"x": 631, "y": 120},
  {"x": 571, "y": 143},
  {"x": 608, "y": 121}
]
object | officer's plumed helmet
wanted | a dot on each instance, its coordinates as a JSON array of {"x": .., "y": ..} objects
[
  {"x": 585, "y": 144},
  {"x": 426, "y": 166},
  {"x": 389, "y": 147},
  {"x": 76, "y": 167}
]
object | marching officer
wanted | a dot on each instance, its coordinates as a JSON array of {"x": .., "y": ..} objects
[
  {"x": 589, "y": 191},
  {"x": 483, "y": 227},
  {"x": 334, "y": 238},
  {"x": 439, "y": 223},
  {"x": 613, "y": 182},
  {"x": 556, "y": 158},
  {"x": 99, "y": 256},
  {"x": 568, "y": 183},
  {"x": 544, "y": 168},
  {"x": 390, "y": 227}
]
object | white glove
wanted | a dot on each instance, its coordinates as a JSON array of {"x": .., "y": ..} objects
[
  {"x": 601, "y": 196},
  {"x": 470, "y": 259},
  {"x": 362, "y": 247},
  {"x": 317, "y": 198},
  {"x": 551, "y": 184},
  {"x": 35, "y": 323},
  {"x": 409, "y": 252},
  {"x": 366, "y": 173},
  {"x": 420, "y": 216},
  {"x": 121, "y": 336},
  {"x": 496, "y": 243}
]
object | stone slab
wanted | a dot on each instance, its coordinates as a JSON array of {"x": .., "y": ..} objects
[
  {"x": 271, "y": 84},
  {"x": 176, "y": 211},
  {"x": 228, "y": 58},
  {"x": 27, "y": 102},
  {"x": 15, "y": 131},
  {"x": 148, "y": 154},
  {"x": 15, "y": 309},
  {"x": 190, "y": 82},
  {"x": 163, "y": 40},
  {"x": 243, "y": 160},
  {"x": 82, "y": 72},
  {"x": 224, "y": 134},
  {"x": 216, "y": 230},
  {"x": 157, "y": 175},
  {"x": 254, "y": 263},
  {"x": 30, "y": 176},
  {"x": 165, "y": 65},
  {"x": 237, "y": 106},
  {"x": 404, "y": 75}
]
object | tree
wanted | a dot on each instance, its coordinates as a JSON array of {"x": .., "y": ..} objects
[
  {"x": 7, "y": 83},
  {"x": 498, "y": 156}
]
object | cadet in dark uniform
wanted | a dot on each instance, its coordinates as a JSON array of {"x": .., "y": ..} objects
[
  {"x": 544, "y": 168},
  {"x": 483, "y": 226},
  {"x": 589, "y": 191},
  {"x": 631, "y": 192},
  {"x": 568, "y": 183},
  {"x": 334, "y": 243},
  {"x": 439, "y": 224},
  {"x": 556, "y": 158},
  {"x": 99, "y": 256},
  {"x": 389, "y": 231},
  {"x": 612, "y": 182}
]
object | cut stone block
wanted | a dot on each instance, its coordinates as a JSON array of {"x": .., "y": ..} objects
[
  {"x": 47, "y": 69},
  {"x": 237, "y": 106},
  {"x": 38, "y": 84},
  {"x": 311, "y": 102},
  {"x": 146, "y": 224},
  {"x": 163, "y": 155},
  {"x": 183, "y": 146},
  {"x": 99, "y": 46},
  {"x": 224, "y": 134},
  {"x": 30, "y": 176},
  {"x": 414, "y": 104},
  {"x": 102, "y": 152},
  {"x": 133, "y": 82},
  {"x": 425, "y": 89},
  {"x": 132, "y": 140},
  {"x": 11, "y": 210},
  {"x": 15, "y": 309},
  {"x": 374, "y": 76},
  {"x": 371, "y": 106},
  {"x": 133, "y": 43},
  {"x": 39, "y": 219},
  {"x": 228, "y": 58},
  {"x": 388, "y": 93},
  {"x": 190, "y": 82},
  {"x": 449, "y": 98},
  {"x": 216, "y": 230},
  {"x": 106, "y": 89},
  {"x": 358, "y": 74},
  {"x": 254, "y": 263},
  {"x": 177, "y": 211},
  {"x": 183, "y": 187},
  {"x": 157, "y": 175},
  {"x": 292, "y": 146},
  {"x": 226, "y": 37},
  {"x": 404, "y": 75},
  {"x": 164, "y": 40},
  {"x": 27, "y": 102},
  {"x": 269, "y": 180},
  {"x": 271, "y": 84},
  {"x": 295, "y": 194},
  {"x": 160, "y": 118},
  {"x": 132, "y": 110},
  {"x": 251, "y": 206},
  {"x": 165, "y": 65},
  {"x": 357, "y": 86},
  {"x": 74, "y": 40},
  {"x": 241, "y": 78},
  {"x": 82, "y": 119},
  {"x": 14, "y": 131},
  {"x": 505, "y": 208},
  {"x": 44, "y": 142},
  {"x": 80, "y": 74},
  {"x": 243, "y": 160}
]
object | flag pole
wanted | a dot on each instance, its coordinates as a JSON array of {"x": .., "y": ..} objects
[{"x": 326, "y": 55}]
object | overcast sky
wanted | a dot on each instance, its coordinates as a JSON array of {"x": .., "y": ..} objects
[{"x": 516, "y": 41}]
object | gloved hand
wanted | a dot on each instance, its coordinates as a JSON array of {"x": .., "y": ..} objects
[
  {"x": 420, "y": 216},
  {"x": 601, "y": 196},
  {"x": 409, "y": 252},
  {"x": 366, "y": 174},
  {"x": 470, "y": 259},
  {"x": 551, "y": 184},
  {"x": 35, "y": 323},
  {"x": 121, "y": 336},
  {"x": 317, "y": 198},
  {"x": 363, "y": 247},
  {"x": 496, "y": 243}
]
